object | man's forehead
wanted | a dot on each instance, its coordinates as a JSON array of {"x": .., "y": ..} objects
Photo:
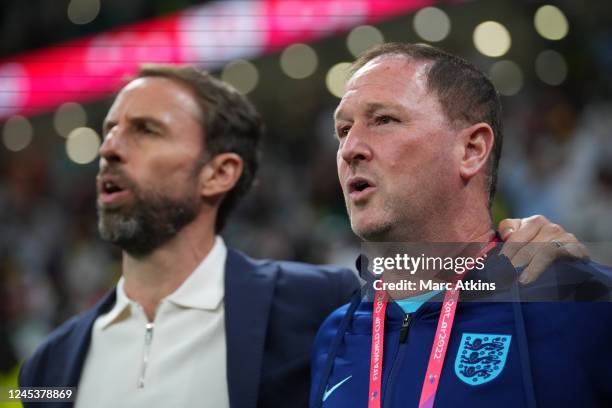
[
  {"x": 138, "y": 83},
  {"x": 390, "y": 71},
  {"x": 158, "y": 93},
  {"x": 395, "y": 67}
]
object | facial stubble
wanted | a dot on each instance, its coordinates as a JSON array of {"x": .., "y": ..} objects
[{"x": 150, "y": 221}]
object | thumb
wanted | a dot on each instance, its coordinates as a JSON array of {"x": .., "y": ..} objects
[{"x": 508, "y": 226}]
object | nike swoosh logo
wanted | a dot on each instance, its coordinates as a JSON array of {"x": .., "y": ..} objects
[{"x": 334, "y": 388}]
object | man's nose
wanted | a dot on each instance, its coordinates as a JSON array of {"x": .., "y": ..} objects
[
  {"x": 355, "y": 146},
  {"x": 112, "y": 149}
]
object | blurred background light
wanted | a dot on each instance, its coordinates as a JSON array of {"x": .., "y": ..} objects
[
  {"x": 550, "y": 23},
  {"x": 550, "y": 67},
  {"x": 242, "y": 75},
  {"x": 17, "y": 133},
  {"x": 507, "y": 77},
  {"x": 363, "y": 37},
  {"x": 336, "y": 78},
  {"x": 69, "y": 116},
  {"x": 82, "y": 145},
  {"x": 299, "y": 61},
  {"x": 431, "y": 24},
  {"x": 13, "y": 82},
  {"x": 83, "y": 11},
  {"x": 492, "y": 39}
]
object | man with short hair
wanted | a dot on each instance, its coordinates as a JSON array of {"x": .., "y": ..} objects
[
  {"x": 420, "y": 136},
  {"x": 191, "y": 322}
]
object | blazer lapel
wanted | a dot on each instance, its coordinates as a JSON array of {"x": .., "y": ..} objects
[{"x": 249, "y": 287}]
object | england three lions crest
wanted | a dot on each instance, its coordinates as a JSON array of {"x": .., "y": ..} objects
[{"x": 481, "y": 357}]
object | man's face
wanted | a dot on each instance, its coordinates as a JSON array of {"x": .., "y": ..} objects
[
  {"x": 149, "y": 161},
  {"x": 396, "y": 152}
]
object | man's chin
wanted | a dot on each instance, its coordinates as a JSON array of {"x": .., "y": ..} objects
[
  {"x": 371, "y": 231},
  {"x": 128, "y": 235},
  {"x": 113, "y": 226},
  {"x": 115, "y": 207}
]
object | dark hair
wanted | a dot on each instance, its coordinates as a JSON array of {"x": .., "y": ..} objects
[
  {"x": 465, "y": 93},
  {"x": 231, "y": 124}
]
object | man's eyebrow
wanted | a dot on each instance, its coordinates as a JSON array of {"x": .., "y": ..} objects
[
  {"x": 107, "y": 124},
  {"x": 135, "y": 119},
  {"x": 147, "y": 119},
  {"x": 370, "y": 109},
  {"x": 338, "y": 114},
  {"x": 375, "y": 106}
]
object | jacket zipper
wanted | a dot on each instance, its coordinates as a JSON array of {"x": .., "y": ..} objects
[
  {"x": 405, "y": 328},
  {"x": 399, "y": 357},
  {"x": 145, "y": 356}
]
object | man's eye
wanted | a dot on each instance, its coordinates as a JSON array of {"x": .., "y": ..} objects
[
  {"x": 343, "y": 131},
  {"x": 107, "y": 129},
  {"x": 384, "y": 119},
  {"x": 144, "y": 128}
]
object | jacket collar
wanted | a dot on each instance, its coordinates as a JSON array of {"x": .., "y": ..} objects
[{"x": 249, "y": 289}]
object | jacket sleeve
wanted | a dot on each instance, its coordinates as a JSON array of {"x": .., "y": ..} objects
[
  {"x": 31, "y": 372},
  {"x": 321, "y": 349}
]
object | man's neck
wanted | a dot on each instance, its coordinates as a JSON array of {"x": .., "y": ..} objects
[
  {"x": 462, "y": 220},
  {"x": 151, "y": 278},
  {"x": 459, "y": 240}
]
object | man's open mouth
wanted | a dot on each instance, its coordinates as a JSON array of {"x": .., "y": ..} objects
[
  {"x": 111, "y": 190},
  {"x": 109, "y": 187},
  {"x": 359, "y": 187}
]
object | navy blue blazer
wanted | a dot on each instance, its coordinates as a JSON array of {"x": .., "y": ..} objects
[{"x": 273, "y": 310}]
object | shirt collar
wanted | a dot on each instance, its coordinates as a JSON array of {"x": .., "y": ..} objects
[
  {"x": 121, "y": 308},
  {"x": 203, "y": 289}
]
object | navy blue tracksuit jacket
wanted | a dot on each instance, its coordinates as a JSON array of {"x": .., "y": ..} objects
[{"x": 506, "y": 353}]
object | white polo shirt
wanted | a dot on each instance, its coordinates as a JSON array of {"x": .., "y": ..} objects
[{"x": 178, "y": 360}]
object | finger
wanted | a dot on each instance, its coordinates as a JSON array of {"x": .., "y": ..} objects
[
  {"x": 577, "y": 251},
  {"x": 527, "y": 251},
  {"x": 508, "y": 226},
  {"x": 574, "y": 248},
  {"x": 528, "y": 230},
  {"x": 540, "y": 256},
  {"x": 525, "y": 254},
  {"x": 530, "y": 227},
  {"x": 540, "y": 262},
  {"x": 541, "y": 242}
]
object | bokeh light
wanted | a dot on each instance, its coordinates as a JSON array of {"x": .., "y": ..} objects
[
  {"x": 82, "y": 145},
  {"x": 83, "y": 11},
  {"x": 242, "y": 75},
  {"x": 363, "y": 37},
  {"x": 550, "y": 23},
  {"x": 17, "y": 133},
  {"x": 492, "y": 39},
  {"x": 431, "y": 24},
  {"x": 69, "y": 116},
  {"x": 299, "y": 61},
  {"x": 507, "y": 77},
  {"x": 336, "y": 78},
  {"x": 550, "y": 67}
]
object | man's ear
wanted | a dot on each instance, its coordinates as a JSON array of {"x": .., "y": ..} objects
[
  {"x": 477, "y": 143},
  {"x": 220, "y": 174}
]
